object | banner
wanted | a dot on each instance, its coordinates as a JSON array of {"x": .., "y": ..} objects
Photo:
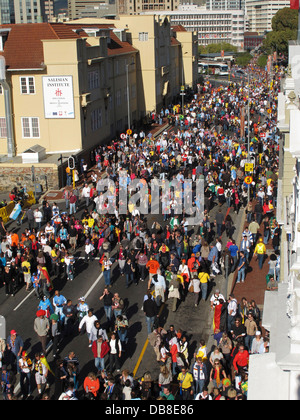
[
  {"x": 58, "y": 97},
  {"x": 294, "y": 4}
]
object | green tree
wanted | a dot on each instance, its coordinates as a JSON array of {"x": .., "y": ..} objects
[
  {"x": 262, "y": 61},
  {"x": 285, "y": 27},
  {"x": 243, "y": 59}
]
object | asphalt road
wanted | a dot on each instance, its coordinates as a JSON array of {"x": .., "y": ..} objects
[{"x": 196, "y": 323}]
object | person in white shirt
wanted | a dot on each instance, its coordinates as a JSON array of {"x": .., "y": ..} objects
[
  {"x": 85, "y": 193},
  {"x": 38, "y": 217},
  {"x": 115, "y": 353},
  {"x": 232, "y": 310},
  {"x": 88, "y": 320}
]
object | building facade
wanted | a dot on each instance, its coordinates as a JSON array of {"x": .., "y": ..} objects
[
  {"x": 261, "y": 12},
  {"x": 80, "y": 9},
  {"x": 275, "y": 375},
  {"x": 134, "y": 7},
  {"x": 225, "y": 4},
  {"x": 211, "y": 26},
  {"x": 78, "y": 84}
]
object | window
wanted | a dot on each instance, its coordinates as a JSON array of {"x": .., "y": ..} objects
[
  {"x": 3, "y": 132},
  {"x": 30, "y": 127},
  {"x": 27, "y": 85},
  {"x": 143, "y": 36},
  {"x": 94, "y": 80},
  {"x": 96, "y": 119}
]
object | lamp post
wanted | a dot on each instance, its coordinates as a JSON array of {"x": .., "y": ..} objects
[{"x": 8, "y": 109}]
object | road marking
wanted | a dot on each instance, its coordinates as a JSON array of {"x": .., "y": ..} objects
[
  {"x": 145, "y": 347},
  {"x": 93, "y": 286},
  {"x": 21, "y": 303},
  {"x": 140, "y": 358}
]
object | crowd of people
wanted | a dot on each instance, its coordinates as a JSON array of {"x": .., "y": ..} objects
[{"x": 172, "y": 257}]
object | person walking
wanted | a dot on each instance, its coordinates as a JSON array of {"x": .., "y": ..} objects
[
  {"x": 41, "y": 327},
  {"x": 151, "y": 312},
  {"x": 260, "y": 252},
  {"x": 107, "y": 298}
]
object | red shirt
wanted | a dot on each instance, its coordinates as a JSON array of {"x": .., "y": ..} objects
[{"x": 241, "y": 359}]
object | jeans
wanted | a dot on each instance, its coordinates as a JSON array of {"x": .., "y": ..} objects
[
  {"x": 99, "y": 363},
  {"x": 106, "y": 274},
  {"x": 25, "y": 383},
  {"x": 129, "y": 279},
  {"x": 261, "y": 258},
  {"x": 150, "y": 322},
  {"x": 123, "y": 336},
  {"x": 204, "y": 288},
  {"x": 108, "y": 312},
  {"x": 241, "y": 275},
  {"x": 199, "y": 385},
  {"x": 72, "y": 208}
]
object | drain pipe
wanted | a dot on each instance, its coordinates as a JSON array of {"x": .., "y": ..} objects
[{"x": 11, "y": 152}]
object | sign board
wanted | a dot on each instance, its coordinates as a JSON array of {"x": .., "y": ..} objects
[
  {"x": 129, "y": 132},
  {"x": 249, "y": 167},
  {"x": 248, "y": 180},
  {"x": 58, "y": 97},
  {"x": 182, "y": 88},
  {"x": 123, "y": 136}
]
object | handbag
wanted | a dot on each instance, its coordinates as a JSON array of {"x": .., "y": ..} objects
[{"x": 191, "y": 287}]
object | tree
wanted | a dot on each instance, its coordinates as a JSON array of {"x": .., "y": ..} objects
[
  {"x": 285, "y": 27},
  {"x": 262, "y": 61}
]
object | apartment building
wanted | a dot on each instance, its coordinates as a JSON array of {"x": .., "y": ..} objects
[
  {"x": 68, "y": 86},
  {"x": 225, "y": 4},
  {"x": 160, "y": 64},
  {"x": 77, "y": 84},
  {"x": 80, "y": 9},
  {"x": 211, "y": 26},
  {"x": 261, "y": 12},
  {"x": 133, "y": 7}
]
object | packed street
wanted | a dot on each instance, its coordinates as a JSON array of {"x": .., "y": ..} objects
[{"x": 120, "y": 305}]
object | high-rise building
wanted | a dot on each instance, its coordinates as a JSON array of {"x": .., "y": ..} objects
[
  {"x": 212, "y": 26},
  {"x": 135, "y": 7},
  {"x": 7, "y": 13},
  {"x": 261, "y": 12},
  {"x": 225, "y": 4},
  {"x": 80, "y": 9}
]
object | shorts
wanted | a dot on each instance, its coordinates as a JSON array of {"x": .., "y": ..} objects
[
  {"x": 40, "y": 379},
  {"x": 73, "y": 241},
  {"x": 27, "y": 278}
]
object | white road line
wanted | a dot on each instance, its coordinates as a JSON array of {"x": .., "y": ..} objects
[
  {"x": 93, "y": 286},
  {"x": 21, "y": 303}
]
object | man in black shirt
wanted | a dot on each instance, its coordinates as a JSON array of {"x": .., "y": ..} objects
[
  {"x": 151, "y": 311},
  {"x": 107, "y": 298}
]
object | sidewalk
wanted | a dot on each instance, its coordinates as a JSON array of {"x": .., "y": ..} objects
[{"x": 255, "y": 281}]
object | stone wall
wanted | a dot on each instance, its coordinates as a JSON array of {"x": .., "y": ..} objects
[{"x": 19, "y": 175}]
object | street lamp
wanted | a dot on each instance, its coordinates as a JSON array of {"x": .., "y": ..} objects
[{"x": 128, "y": 93}]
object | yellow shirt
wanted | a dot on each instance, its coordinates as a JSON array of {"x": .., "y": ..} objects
[
  {"x": 260, "y": 248},
  {"x": 203, "y": 277},
  {"x": 186, "y": 380},
  {"x": 26, "y": 264}
]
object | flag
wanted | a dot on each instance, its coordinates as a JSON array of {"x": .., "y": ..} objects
[
  {"x": 294, "y": 4},
  {"x": 16, "y": 212}
]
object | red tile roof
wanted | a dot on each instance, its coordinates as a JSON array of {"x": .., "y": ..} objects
[
  {"x": 23, "y": 48},
  {"x": 178, "y": 28}
]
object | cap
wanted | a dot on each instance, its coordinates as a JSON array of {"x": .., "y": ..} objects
[{"x": 13, "y": 332}]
